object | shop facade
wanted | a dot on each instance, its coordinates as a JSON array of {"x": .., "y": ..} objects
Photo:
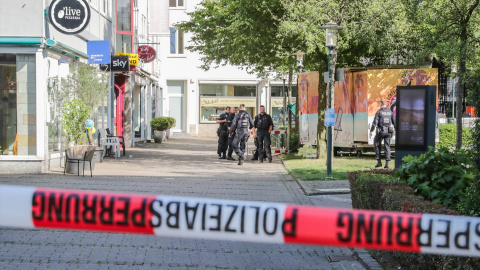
[{"x": 34, "y": 57}]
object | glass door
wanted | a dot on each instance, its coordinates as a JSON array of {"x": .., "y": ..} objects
[{"x": 176, "y": 98}]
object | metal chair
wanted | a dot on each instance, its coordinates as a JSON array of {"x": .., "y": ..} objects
[{"x": 88, "y": 156}]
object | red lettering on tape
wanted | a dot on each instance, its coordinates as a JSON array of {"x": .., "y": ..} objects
[
  {"x": 92, "y": 211},
  {"x": 352, "y": 228}
]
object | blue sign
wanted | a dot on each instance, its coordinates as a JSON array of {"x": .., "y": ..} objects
[
  {"x": 99, "y": 52},
  {"x": 330, "y": 117}
]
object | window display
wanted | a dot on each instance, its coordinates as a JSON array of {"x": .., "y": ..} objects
[{"x": 214, "y": 98}]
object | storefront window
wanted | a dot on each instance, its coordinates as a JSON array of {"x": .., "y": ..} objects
[
  {"x": 215, "y": 98},
  {"x": 17, "y": 105},
  {"x": 277, "y": 90}
]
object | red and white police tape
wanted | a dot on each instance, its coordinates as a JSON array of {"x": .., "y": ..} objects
[
  {"x": 30, "y": 207},
  {"x": 278, "y": 151},
  {"x": 282, "y": 131}
]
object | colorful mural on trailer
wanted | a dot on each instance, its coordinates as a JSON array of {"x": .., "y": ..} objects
[
  {"x": 356, "y": 100},
  {"x": 308, "y": 110}
]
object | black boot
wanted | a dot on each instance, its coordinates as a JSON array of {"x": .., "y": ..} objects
[
  {"x": 379, "y": 164},
  {"x": 219, "y": 156},
  {"x": 386, "y": 165},
  {"x": 240, "y": 160},
  {"x": 230, "y": 158},
  {"x": 224, "y": 156}
]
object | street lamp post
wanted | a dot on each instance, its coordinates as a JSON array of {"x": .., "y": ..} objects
[
  {"x": 284, "y": 78},
  {"x": 331, "y": 43},
  {"x": 299, "y": 54}
]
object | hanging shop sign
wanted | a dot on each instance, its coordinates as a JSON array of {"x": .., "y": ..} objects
[
  {"x": 226, "y": 101},
  {"x": 98, "y": 51},
  {"x": 147, "y": 54},
  {"x": 118, "y": 63},
  {"x": 133, "y": 58},
  {"x": 69, "y": 17}
]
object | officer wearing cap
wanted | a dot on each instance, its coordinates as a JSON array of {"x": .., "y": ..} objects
[
  {"x": 384, "y": 123},
  {"x": 223, "y": 134},
  {"x": 263, "y": 125},
  {"x": 240, "y": 125}
]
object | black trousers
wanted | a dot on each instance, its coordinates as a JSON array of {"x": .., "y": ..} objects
[
  {"x": 385, "y": 136},
  {"x": 264, "y": 143},
  {"x": 222, "y": 142}
]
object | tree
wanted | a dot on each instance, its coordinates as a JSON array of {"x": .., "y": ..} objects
[
  {"x": 376, "y": 31},
  {"x": 448, "y": 30},
  {"x": 88, "y": 84}
]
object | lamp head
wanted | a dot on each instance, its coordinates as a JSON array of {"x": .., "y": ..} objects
[{"x": 331, "y": 35}]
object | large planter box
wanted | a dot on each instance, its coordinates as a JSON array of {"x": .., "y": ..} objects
[
  {"x": 79, "y": 152},
  {"x": 159, "y": 136}
]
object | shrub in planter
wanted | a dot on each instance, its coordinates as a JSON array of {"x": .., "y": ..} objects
[
  {"x": 160, "y": 123},
  {"x": 440, "y": 175},
  {"x": 356, "y": 193},
  {"x": 368, "y": 187}
]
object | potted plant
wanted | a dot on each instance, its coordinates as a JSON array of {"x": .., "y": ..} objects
[
  {"x": 159, "y": 125},
  {"x": 171, "y": 122}
]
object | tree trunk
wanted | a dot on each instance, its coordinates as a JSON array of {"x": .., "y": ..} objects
[
  {"x": 322, "y": 104},
  {"x": 461, "y": 88}
]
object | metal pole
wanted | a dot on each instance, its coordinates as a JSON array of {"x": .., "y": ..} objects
[
  {"x": 284, "y": 141},
  {"x": 329, "y": 128}
]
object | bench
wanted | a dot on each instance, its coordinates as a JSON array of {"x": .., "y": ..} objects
[{"x": 111, "y": 142}]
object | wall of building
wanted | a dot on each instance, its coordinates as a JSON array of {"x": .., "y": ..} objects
[{"x": 22, "y": 18}]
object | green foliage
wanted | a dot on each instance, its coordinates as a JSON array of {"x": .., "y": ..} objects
[
  {"x": 171, "y": 122},
  {"x": 448, "y": 136},
  {"x": 368, "y": 186},
  {"x": 74, "y": 115},
  {"x": 440, "y": 175},
  {"x": 86, "y": 83},
  {"x": 160, "y": 123}
]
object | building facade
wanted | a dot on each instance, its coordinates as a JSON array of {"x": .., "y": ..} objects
[{"x": 34, "y": 56}]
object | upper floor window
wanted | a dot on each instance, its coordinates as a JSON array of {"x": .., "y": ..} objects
[
  {"x": 177, "y": 3},
  {"x": 176, "y": 41},
  {"x": 124, "y": 15}
]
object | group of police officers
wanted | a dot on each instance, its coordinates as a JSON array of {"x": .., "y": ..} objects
[{"x": 233, "y": 134}]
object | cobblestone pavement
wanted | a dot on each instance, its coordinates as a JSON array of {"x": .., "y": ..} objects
[{"x": 184, "y": 166}]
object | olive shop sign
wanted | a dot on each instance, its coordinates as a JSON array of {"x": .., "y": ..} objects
[{"x": 69, "y": 16}]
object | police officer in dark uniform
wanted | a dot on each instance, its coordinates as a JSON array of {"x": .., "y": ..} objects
[
  {"x": 223, "y": 134},
  {"x": 263, "y": 125},
  {"x": 384, "y": 122},
  {"x": 230, "y": 118},
  {"x": 240, "y": 126}
]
